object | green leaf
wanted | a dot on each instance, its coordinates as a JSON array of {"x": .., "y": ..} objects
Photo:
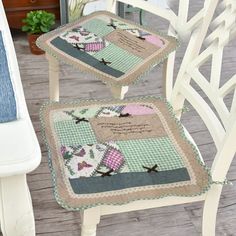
[
  {"x": 38, "y": 22},
  {"x": 25, "y": 28},
  {"x": 44, "y": 29}
]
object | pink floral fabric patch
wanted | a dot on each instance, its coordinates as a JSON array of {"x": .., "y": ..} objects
[
  {"x": 155, "y": 40},
  {"x": 134, "y": 109}
]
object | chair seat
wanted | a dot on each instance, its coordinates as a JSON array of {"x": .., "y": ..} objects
[
  {"x": 114, "y": 152},
  {"x": 19, "y": 151},
  {"x": 111, "y": 48}
]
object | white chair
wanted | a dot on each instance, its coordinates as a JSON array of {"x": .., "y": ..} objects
[
  {"x": 179, "y": 26},
  {"x": 222, "y": 129},
  {"x": 221, "y": 126},
  {"x": 19, "y": 148}
]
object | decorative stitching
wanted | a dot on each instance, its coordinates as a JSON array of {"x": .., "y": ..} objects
[
  {"x": 78, "y": 120},
  {"x": 103, "y": 174},
  {"x": 105, "y": 62},
  {"x": 76, "y": 45},
  {"x": 151, "y": 169},
  {"x": 124, "y": 115}
]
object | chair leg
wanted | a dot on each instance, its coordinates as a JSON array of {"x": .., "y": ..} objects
[
  {"x": 90, "y": 219},
  {"x": 210, "y": 210},
  {"x": 16, "y": 211},
  {"x": 53, "y": 78},
  {"x": 119, "y": 92}
]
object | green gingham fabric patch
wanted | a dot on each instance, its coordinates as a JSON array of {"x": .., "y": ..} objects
[
  {"x": 79, "y": 134},
  {"x": 114, "y": 152},
  {"x": 148, "y": 152},
  {"x": 117, "y": 56},
  {"x": 97, "y": 26},
  {"x": 116, "y": 50}
]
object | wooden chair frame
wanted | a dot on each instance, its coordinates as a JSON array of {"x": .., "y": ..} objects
[
  {"x": 223, "y": 129},
  {"x": 19, "y": 154}
]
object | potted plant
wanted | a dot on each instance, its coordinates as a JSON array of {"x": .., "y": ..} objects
[{"x": 35, "y": 24}]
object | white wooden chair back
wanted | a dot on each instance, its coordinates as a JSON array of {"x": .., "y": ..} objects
[
  {"x": 223, "y": 26},
  {"x": 184, "y": 25},
  {"x": 222, "y": 123},
  {"x": 180, "y": 24}
]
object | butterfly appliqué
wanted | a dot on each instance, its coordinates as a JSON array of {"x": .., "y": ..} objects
[
  {"x": 81, "y": 153},
  {"x": 82, "y": 165}
]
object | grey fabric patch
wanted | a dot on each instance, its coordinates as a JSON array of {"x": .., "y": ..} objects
[
  {"x": 84, "y": 185},
  {"x": 68, "y": 49}
]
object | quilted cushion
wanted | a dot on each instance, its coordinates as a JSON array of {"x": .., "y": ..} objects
[
  {"x": 7, "y": 98},
  {"x": 113, "y": 49},
  {"x": 114, "y": 152}
]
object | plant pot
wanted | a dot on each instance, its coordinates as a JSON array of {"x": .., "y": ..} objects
[{"x": 32, "y": 44}]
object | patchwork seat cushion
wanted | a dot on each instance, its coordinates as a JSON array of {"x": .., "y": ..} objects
[
  {"x": 113, "y": 49},
  {"x": 7, "y": 97},
  {"x": 115, "y": 152}
]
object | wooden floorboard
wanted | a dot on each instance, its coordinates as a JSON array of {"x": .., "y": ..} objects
[{"x": 52, "y": 220}]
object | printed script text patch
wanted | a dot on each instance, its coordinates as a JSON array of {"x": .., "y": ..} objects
[{"x": 127, "y": 128}]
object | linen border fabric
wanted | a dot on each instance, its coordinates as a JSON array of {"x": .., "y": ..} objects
[
  {"x": 113, "y": 49},
  {"x": 101, "y": 154}
]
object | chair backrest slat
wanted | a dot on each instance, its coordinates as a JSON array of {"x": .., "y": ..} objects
[
  {"x": 201, "y": 106},
  {"x": 223, "y": 25}
]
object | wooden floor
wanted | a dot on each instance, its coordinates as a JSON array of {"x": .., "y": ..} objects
[{"x": 52, "y": 220}]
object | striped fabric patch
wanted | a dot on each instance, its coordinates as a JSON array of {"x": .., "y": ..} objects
[
  {"x": 120, "y": 59},
  {"x": 98, "y": 27}
]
